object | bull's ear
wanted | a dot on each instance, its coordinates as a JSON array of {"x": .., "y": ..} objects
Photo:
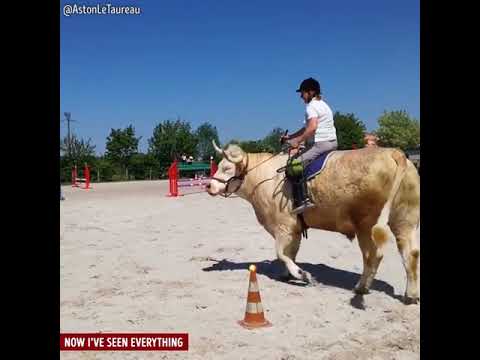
[{"x": 234, "y": 153}]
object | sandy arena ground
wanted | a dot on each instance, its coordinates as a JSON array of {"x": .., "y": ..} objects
[{"x": 133, "y": 260}]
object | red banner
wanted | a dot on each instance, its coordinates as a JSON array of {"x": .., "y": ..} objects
[{"x": 123, "y": 342}]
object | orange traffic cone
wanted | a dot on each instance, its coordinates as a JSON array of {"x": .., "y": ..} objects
[{"x": 254, "y": 317}]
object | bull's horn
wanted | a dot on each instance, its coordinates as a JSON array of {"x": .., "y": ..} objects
[{"x": 217, "y": 148}]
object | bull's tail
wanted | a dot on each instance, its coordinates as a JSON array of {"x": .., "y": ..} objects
[{"x": 379, "y": 230}]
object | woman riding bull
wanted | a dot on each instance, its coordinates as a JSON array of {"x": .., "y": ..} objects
[{"x": 318, "y": 134}]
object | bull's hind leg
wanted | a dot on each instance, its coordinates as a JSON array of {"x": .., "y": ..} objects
[
  {"x": 408, "y": 248},
  {"x": 372, "y": 256},
  {"x": 287, "y": 245}
]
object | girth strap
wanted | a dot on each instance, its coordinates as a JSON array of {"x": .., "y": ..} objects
[{"x": 304, "y": 226}]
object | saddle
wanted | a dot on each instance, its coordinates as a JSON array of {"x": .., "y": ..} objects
[
  {"x": 316, "y": 166},
  {"x": 294, "y": 168}
]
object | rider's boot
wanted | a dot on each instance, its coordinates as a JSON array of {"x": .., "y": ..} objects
[{"x": 301, "y": 200}]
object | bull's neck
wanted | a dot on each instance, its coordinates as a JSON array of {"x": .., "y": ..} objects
[{"x": 258, "y": 173}]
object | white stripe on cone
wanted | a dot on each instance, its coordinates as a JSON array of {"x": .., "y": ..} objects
[
  {"x": 251, "y": 308},
  {"x": 259, "y": 308},
  {"x": 254, "y": 308},
  {"x": 253, "y": 286}
]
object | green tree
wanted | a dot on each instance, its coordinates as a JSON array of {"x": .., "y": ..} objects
[
  {"x": 104, "y": 170},
  {"x": 170, "y": 140},
  {"x": 81, "y": 151},
  {"x": 142, "y": 166},
  {"x": 121, "y": 145},
  {"x": 205, "y": 133},
  {"x": 271, "y": 143},
  {"x": 350, "y": 130},
  {"x": 252, "y": 146},
  {"x": 398, "y": 129}
]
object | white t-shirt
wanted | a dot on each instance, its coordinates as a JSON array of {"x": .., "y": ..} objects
[{"x": 326, "y": 129}]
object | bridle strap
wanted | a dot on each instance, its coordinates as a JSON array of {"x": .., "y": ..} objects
[{"x": 240, "y": 177}]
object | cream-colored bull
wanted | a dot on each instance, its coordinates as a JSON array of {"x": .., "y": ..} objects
[{"x": 359, "y": 193}]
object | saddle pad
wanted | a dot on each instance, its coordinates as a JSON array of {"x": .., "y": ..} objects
[{"x": 317, "y": 165}]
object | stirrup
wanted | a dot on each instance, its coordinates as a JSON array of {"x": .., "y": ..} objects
[{"x": 302, "y": 207}]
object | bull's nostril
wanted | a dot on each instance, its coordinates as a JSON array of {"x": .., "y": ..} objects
[{"x": 208, "y": 186}]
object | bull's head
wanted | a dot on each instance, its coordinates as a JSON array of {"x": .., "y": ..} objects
[{"x": 228, "y": 177}]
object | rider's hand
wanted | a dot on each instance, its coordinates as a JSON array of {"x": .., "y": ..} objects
[
  {"x": 283, "y": 139},
  {"x": 294, "y": 144},
  {"x": 293, "y": 152}
]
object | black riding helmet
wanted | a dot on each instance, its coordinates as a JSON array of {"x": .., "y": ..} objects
[{"x": 310, "y": 84}]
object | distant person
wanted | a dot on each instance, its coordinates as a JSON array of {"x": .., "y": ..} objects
[
  {"x": 184, "y": 158},
  {"x": 190, "y": 160}
]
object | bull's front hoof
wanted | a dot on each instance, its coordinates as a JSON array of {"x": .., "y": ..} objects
[
  {"x": 307, "y": 277},
  {"x": 409, "y": 300}
]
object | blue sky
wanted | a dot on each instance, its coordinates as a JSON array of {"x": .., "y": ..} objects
[{"x": 236, "y": 64}]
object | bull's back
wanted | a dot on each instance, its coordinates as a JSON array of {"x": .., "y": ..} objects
[
  {"x": 352, "y": 189},
  {"x": 349, "y": 175}
]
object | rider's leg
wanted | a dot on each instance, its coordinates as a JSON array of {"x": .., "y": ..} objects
[{"x": 316, "y": 150}]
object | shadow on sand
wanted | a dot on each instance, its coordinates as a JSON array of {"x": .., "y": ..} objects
[{"x": 323, "y": 274}]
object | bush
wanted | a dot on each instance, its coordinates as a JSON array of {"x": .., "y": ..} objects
[{"x": 119, "y": 177}]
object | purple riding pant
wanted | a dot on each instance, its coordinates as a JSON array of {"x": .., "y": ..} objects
[{"x": 316, "y": 150}]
